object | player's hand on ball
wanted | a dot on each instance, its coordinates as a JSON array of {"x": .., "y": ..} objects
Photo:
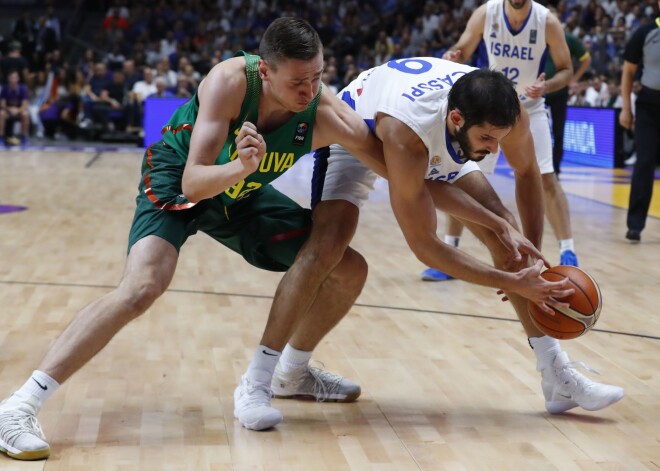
[
  {"x": 531, "y": 285},
  {"x": 584, "y": 305},
  {"x": 251, "y": 146}
]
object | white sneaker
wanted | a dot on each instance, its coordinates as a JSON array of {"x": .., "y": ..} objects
[
  {"x": 565, "y": 388},
  {"x": 315, "y": 383},
  {"x": 252, "y": 406},
  {"x": 21, "y": 436}
]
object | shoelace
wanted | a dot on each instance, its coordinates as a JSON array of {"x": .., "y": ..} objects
[
  {"x": 252, "y": 396},
  {"x": 325, "y": 383},
  {"x": 581, "y": 380},
  {"x": 15, "y": 423}
]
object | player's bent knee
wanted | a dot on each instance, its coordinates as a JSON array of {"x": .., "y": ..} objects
[
  {"x": 324, "y": 250},
  {"x": 330, "y": 252},
  {"x": 498, "y": 252},
  {"x": 353, "y": 266},
  {"x": 550, "y": 183},
  {"x": 139, "y": 296}
]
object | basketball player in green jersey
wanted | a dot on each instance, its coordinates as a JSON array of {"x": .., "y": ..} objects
[{"x": 211, "y": 173}]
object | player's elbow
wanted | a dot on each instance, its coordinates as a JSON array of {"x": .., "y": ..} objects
[
  {"x": 190, "y": 190},
  {"x": 192, "y": 197},
  {"x": 565, "y": 75},
  {"x": 420, "y": 248}
]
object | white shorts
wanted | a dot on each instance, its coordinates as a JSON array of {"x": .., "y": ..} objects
[
  {"x": 539, "y": 125},
  {"x": 346, "y": 178}
]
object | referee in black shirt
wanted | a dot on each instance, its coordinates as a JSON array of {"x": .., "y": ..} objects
[{"x": 643, "y": 47}]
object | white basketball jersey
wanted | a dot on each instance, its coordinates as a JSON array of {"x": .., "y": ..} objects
[
  {"x": 520, "y": 55},
  {"x": 413, "y": 91}
]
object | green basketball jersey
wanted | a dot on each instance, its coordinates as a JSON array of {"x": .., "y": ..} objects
[
  {"x": 284, "y": 145},
  {"x": 578, "y": 53}
]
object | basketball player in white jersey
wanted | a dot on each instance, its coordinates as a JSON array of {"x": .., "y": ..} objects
[
  {"x": 437, "y": 118},
  {"x": 518, "y": 35}
]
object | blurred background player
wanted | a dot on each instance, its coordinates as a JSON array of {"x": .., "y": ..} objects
[{"x": 557, "y": 101}]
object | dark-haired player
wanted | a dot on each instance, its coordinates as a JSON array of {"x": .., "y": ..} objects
[{"x": 436, "y": 120}]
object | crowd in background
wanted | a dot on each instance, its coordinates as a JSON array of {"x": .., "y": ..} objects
[{"x": 166, "y": 48}]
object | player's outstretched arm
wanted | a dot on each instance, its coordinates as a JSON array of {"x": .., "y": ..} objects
[
  {"x": 406, "y": 160},
  {"x": 451, "y": 199},
  {"x": 518, "y": 147},
  {"x": 337, "y": 123},
  {"x": 220, "y": 98},
  {"x": 470, "y": 39}
]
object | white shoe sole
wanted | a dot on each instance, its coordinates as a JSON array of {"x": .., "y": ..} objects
[
  {"x": 558, "y": 407},
  {"x": 332, "y": 398},
  {"x": 614, "y": 398},
  {"x": 24, "y": 455},
  {"x": 266, "y": 422}
]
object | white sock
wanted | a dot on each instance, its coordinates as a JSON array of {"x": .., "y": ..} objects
[
  {"x": 546, "y": 349},
  {"x": 566, "y": 244},
  {"x": 452, "y": 240},
  {"x": 39, "y": 385},
  {"x": 263, "y": 364},
  {"x": 293, "y": 359}
]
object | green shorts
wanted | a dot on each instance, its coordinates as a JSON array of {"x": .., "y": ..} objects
[{"x": 266, "y": 227}]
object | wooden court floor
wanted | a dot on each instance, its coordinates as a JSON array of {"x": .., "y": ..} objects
[{"x": 448, "y": 380}]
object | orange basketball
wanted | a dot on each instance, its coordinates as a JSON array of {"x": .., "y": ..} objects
[{"x": 585, "y": 305}]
